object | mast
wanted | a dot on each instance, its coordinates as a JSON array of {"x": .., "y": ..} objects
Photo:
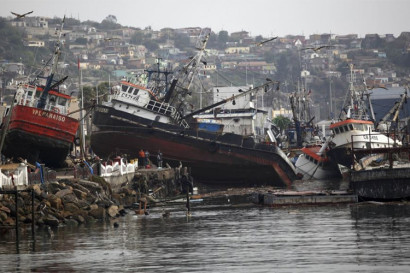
[{"x": 43, "y": 98}]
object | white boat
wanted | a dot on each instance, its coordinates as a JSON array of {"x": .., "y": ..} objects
[
  {"x": 356, "y": 131},
  {"x": 313, "y": 163}
]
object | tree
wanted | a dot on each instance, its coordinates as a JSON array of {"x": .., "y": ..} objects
[
  {"x": 151, "y": 45},
  {"x": 137, "y": 38},
  {"x": 282, "y": 122},
  {"x": 223, "y": 38}
]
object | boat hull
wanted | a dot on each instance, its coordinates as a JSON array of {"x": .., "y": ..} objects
[
  {"x": 39, "y": 135},
  {"x": 212, "y": 160},
  {"x": 310, "y": 170}
]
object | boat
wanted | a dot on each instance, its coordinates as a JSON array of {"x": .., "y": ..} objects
[
  {"x": 311, "y": 144},
  {"x": 356, "y": 130},
  {"x": 37, "y": 126},
  {"x": 137, "y": 117},
  {"x": 313, "y": 163}
]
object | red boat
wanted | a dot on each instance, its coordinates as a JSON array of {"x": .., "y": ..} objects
[{"x": 37, "y": 125}]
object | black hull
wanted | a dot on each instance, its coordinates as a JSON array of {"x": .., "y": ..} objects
[
  {"x": 223, "y": 161},
  {"x": 342, "y": 156},
  {"x": 35, "y": 148}
]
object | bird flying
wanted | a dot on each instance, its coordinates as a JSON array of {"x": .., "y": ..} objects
[
  {"x": 316, "y": 49},
  {"x": 112, "y": 38},
  {"x": 265, "y": 41},
  {"x": 18, "y": 16}
]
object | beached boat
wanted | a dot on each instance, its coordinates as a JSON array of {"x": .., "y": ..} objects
[
  {"x": 356, "y": 130},
  {"x": 137, "y": 117},
  {"x": 37, "y": 125},
  {"x": 313, "y": 163}
]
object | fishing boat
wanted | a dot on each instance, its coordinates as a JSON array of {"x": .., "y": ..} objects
[
  {"x": 313, "y": 163},
  {"x": 136, "y": 117},
  {"x": 356, "y": 130},
  {"x": 37, "y": 126}
]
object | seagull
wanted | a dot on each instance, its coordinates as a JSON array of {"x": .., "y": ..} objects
[
  {"x": 19, "y": 16},
  {"x": 316, "y": 49},
  {"x": 268, "y": 40},
  {"x": 109, "y": 39}
]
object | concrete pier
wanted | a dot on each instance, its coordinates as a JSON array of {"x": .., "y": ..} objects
[
  {"x": 381, "y": 183},
  {"x": 303, "y": 198}
]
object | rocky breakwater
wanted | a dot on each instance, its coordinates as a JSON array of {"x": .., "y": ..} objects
[
  {"x": 80, "y": 201},
  {"x": 67, "y": 201}
]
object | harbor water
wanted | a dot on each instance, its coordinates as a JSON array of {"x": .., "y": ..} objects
[{"x": 224, "y": 237}]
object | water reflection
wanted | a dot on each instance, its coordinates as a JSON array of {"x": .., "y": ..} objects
[{"x": 366, "y": 238}]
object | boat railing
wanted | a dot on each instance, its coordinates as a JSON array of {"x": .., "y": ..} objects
[
  {"x": 118, "y": 168},
  {"x": 160, "y": 107},
  {"x": 168, "y": 110},
  {"x": 19, "y": 177},
  {"x": 178, "y": 118}
]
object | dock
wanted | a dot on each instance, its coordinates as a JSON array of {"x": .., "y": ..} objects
[
  {"x": 284, "y": 198},
  {"x": 383, "y": 183}
]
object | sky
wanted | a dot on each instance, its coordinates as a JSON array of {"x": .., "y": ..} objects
[{"x": 268, "y": 18}]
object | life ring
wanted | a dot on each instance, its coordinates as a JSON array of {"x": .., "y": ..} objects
[{"x": 56, "y": 110}]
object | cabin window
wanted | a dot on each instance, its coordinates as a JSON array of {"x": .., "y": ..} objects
[
  {"x": 351, "y": 126},
  {"x": 341, "y": 129},
  {"x": 135, "y": 91},
  {"x": 337, "y": 131},
  {"x": 315, "y": 161},
  {"x": 61, "y": 101},
  {"x": 124, "y": 88},
  {"x": 52, "y": 100},
  {"x": 358, "y": 127},
  {"x": 345, "y": 127},
  {"x": 130, "y": 90}
]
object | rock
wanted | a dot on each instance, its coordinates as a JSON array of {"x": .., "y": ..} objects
[
  {"x": 36, "y": 189},
  {"x": 62, "y": 193},
  {"x": 27, "y": 219},
  {"x": 77, "y": 186},
  {"x": 71, "y": 207},
  {"x": 5, "y": 209},
  {"x": 12, "y": 208},
  {"x": 82, "y": 204},
  {"x": 98, "y": 213},
  {"x": 54, "y": 187},
  {"x": 51, "y": 221},
  {"x": 80, "y": 194},
  {"x": 67, "y": 214},
  {"x": 3, "y": 216},
  {"x": 93, "y": 206},
  {"x": 89, "y": 219},
  {"x": 92, "y": 186},
  {"x": 80, "y": 219},
  {"x": 55, "y": 202},
  {"x": 71, "y": 222},
  {"x": 112, "y": 211},
  {"x": 70, "y": 198},
  {"x": 9, "y": 222}
]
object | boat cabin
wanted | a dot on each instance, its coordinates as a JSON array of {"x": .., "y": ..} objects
[
  {"x": 28, "y": 95},
  {"x": 352, "y": 124}
]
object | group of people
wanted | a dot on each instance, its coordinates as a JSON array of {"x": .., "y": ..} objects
[{"x": 143, "y": 157}]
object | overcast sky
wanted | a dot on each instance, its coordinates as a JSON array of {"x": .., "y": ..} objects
[{"x": 259, "y": 17}]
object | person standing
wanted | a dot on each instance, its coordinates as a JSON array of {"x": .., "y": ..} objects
[
  {"x": 141, "y": 157},
  {"x": 159, "y": 160},
  {"x": 147, "y": 155}
]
